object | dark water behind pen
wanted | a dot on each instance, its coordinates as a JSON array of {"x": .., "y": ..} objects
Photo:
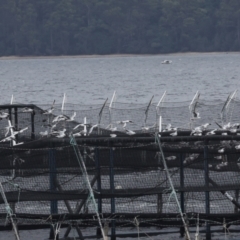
[{"x": 135, "y": 78}]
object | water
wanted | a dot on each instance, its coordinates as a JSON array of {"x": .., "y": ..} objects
[{"x": 90, "y": 80}]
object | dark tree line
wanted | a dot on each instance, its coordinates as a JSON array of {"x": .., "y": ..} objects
[{"x": 61, "y": 27}]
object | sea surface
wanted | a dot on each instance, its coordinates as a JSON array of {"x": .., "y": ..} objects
[{"x": 90, "y": 80}]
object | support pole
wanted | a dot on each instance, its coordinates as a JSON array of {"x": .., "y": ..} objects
[
  {"x": 16, "y": 121},
  {"x": 52, "y": 177},
  {"x": 207, "y": 195},
  {"x": 69, "y": 208},
  {"x": 111, "y": 176},
  {"x": 79, "y": 207},
  {"x": 182, "y": 232},
  {"x": 85, "y": 175},
  {"x": 32, "y": 125},
  {"x": 173, "y": 189},
  {"x": 99, "y": 187}
]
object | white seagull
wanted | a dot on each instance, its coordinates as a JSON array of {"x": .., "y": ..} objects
[
  {"x": 3, "y": 115},
  {"x": 166, "y": 62},
  {"x": 60, "y": 133},
  {"x": 91, "y": 129},
  {"x": 129, "y": 132},
  {"x": 80, "y": 125},
  {"x": 28, "y": 110},
  {"x": 48, "y": 111}
]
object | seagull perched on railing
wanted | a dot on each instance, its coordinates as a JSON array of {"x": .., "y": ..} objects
[
  {"x": 129, "y": 132},
  {"x": 147, "y": 128},
  {"x": 63, "y": 117},
  {"x": 59, "y": 134},
  {"x": 28, "y": 110}
]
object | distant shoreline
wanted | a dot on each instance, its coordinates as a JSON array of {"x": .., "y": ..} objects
[{"x": 112, "y": 55}]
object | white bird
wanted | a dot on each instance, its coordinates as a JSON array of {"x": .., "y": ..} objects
[
  {"x": 196, "y": 115},
  {"x": 91, "y": 129},
  {"x": 48, "y": 111},
  {"x": 60, "y": 133},
  {"x": 166, "y": 62},
  {"x": 124, "y": 123},
  {"x": 146, "y": 128},
  {"x": 84, "y": 132},
  {"x": 237, "y": 146},
  {"x": 204, "y": 126},
  {"x": 8, "y": 129},
  {"x": 218, "y": 157},
  {"x": 171, "y": 158},
  {"x": 80, "y": 125},
  {"x": 196, "y": 130},
  {"x": 44, "y": 133},
  {"x": 173, "y": 134},
  {"x": 72, "y": 117},
  {"x": 29, "y": 110},
  {"x": 211, "y": 132},
  {"x": 129, "y": 132},
  {"x": 3, "y": 115},
  {"x": 233, "y": 130},
  {"x": 191, "y": 158},
  {"x": 221, "y": 150},
  {"x": 78, "y": 134},
  {"x": 238, "y": 162},
  {"x": 59, "y": 118},
  {"x": 113, "y": 135},
  {"x": 111, "y": 128}
]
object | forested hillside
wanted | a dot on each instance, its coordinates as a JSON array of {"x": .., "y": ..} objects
[{"x": 70, "y": 27}]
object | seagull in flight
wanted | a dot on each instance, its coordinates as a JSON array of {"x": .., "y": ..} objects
[
  {"x": 48, "y": 111},
  {"x": 72, "y": 117},
  {"x": 196, "y": 115},
  {"x": 8, "y": 129},
  {"x": 80, "y": 125},
  {"x": 124, "y": 123},
  {"x": 111, "y": 128},
  {"x": 91, "y": 129}
]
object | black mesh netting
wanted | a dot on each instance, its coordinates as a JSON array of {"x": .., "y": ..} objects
[{"x": 43, "y": 181}]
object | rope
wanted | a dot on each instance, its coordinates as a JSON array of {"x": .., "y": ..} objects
[
  {"x": 173, "y": 189},
  {"x": 85, "y": 174}
]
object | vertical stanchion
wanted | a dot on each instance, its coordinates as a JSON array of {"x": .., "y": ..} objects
[
  {"x": 182, "y": 231},
  {"x": 53, "y": 174},
  {"x": 111, "y": 176},
  {"x": 16, "y": 121},
  {"x": 207, "y": 195},
  {"x": 52, "y": 177},
  {"x": 98, "y": 170},
  {"x": 32, "y": 125}
]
